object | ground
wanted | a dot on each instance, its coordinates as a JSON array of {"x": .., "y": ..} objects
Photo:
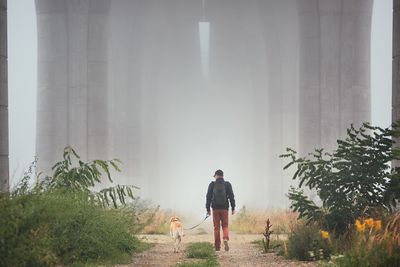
[{"x": 242, "y": 253}]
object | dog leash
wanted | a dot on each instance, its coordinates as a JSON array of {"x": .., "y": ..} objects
[{"x": 197, "y": 224}]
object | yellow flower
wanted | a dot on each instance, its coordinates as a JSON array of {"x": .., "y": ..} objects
[
  {"x": 369, "y": 222},
  {"x": 324, "y": 234},
  {"x": 360, "y": 226},
  {"x": 378, "y": 224}
]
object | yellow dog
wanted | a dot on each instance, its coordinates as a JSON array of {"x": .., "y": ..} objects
[{"x": 176, "y": 231}]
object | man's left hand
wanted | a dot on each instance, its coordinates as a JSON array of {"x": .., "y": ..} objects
[{"x": 233, "y": 212}]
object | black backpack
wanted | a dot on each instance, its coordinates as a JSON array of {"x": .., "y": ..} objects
[{"x": 219, "y": 195}]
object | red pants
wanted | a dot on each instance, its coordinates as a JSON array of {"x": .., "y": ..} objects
[{"x": 220, "y": 217}]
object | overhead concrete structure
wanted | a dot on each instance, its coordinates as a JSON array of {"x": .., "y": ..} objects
[
  {"x": 4, "y": 160},
  {"x": 177, "y": 89}
]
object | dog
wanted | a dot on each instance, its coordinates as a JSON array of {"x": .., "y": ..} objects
[{"x": 176, "y": 231}]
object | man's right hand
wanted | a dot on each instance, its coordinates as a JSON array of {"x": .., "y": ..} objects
[{"x": 208, "y": 213}]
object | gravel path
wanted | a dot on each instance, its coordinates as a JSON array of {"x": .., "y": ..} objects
[{"x": 242, "y": 253}]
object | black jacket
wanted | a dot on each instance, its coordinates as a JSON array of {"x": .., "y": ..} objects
[{"x": 229, "y": 195}]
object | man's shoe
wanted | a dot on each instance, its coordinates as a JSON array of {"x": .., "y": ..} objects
[{"x": 226, "y": 245}]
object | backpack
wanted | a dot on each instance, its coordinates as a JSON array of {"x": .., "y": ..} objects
[{"x": 219, "y": 195}]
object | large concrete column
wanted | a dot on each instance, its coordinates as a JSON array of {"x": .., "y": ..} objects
[
  {"x": 334, "y": 69},
  {"x": 72, "y": 79},
  {"x": 396, "y": 63},
  {"x": 4, "y": 170}
]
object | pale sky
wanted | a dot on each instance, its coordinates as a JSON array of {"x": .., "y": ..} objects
[{"x": 22, "y": 49}]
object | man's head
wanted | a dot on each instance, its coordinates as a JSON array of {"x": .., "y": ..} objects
[{"x": 219, "y": 174}]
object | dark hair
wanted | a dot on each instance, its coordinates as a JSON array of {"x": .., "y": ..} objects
[{"x": 219, "y": 173}]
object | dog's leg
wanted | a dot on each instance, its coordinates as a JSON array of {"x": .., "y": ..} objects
[
  {"x": 179, "y": 243},
  {"x": 176, "y": 244}
]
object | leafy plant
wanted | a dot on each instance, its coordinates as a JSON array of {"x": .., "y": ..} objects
[
  {"x": 306, "y": 243},
  {"x": 267, "y": 236},
  {"x": 373, "y": 245},
  {"x": 355, "y": 180},
  {"x": 72, "y": 174},
  {"x": 62, "y": 220},
  {"x": 62, "y": 228}
]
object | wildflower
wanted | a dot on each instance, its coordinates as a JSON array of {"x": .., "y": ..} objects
[
  {"x": 324, "y": 234},
  {"x": 378, "y": 224},
  {"x": 369, "y": 222},
  {"x": 360, "y": 226}
]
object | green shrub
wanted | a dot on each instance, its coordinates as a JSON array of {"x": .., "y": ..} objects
[
  {"x": 24, "y": 241},
  {"x": 355, "y": 180},
  {"x": 62, "y": 221},
  {"x": 306, "y": 243},
  {"x": 377, "y": 256},
  {"x": 49, "y": 229}
]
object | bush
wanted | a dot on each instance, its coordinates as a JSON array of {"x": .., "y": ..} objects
[
  {"x": 50, "y": 229},
  {"x": 306, "y": 243},
  {"x": 61, "y": 221},
  {"x": 355, "y": 180}
]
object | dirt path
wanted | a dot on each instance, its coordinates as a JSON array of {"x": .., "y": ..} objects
[{"x": 242, "y": 253}]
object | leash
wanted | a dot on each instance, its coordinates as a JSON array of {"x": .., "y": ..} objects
[{"x": 197, "y": 224}]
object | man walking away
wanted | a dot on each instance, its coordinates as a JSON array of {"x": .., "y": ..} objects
[{"x": 218, "y": 194}]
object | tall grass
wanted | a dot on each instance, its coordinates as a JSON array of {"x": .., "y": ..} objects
[
  {"x": 157, "y": 222},
  {"x": 253, "y": 222},
  {"x": 374, "y": 247}
]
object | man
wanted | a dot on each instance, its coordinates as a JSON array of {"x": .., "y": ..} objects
[{"x": 218, "y": 194}]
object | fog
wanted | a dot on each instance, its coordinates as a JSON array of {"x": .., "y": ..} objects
[{"x": 177, "y": 89}]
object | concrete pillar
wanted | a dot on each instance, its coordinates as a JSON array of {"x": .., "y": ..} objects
[
  {"x": 396, "y": 69},
  {"x": 72, "y": 79},
  {"x": 396, "y": 62},
  {"x": 334, "y": 70},
  {"x": 4, "y": 169}
]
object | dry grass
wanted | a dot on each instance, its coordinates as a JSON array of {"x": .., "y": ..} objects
[
  {"x": 159, "y": 223},
  {"x": 390, "y": 237},
  {"x": 253, "y": 222}
]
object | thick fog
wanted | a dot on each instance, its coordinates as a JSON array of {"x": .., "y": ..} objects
[{"x": 177, "y": 89}]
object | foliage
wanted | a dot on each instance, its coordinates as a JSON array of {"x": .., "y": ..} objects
[
  {"x": 306, "y": 243},
  {"x": 355, "y": 180},
  {"x": 61, "y": 220},
  {"x": 72, "y": 174},
  {"x": 54, "y": 228},
  {"x": 372, "y": 245},
  {"x": 204, "y": 254}
]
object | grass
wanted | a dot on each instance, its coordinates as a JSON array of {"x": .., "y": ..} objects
[
  {"x": 201, "y": 254},
  {"x": 276, "y": 246},
  {"x": 253, "y": 222},
  {"x": 159, "y": 222}
]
